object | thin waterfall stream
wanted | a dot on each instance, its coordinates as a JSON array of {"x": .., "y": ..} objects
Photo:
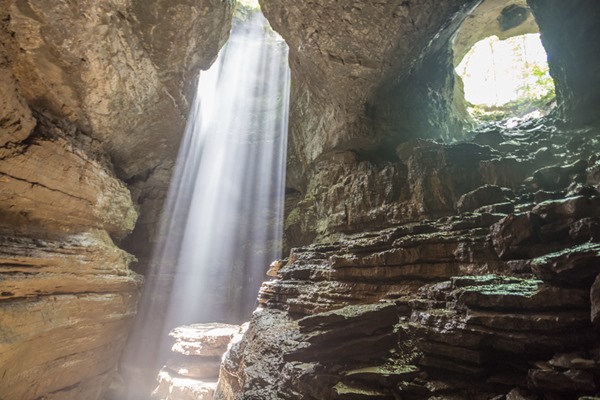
[{"x": 222, "y": 222}]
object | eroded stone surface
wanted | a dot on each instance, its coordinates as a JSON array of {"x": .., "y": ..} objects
[
  {"x": 96, "y": 65},
  {"x": 340, "y": 55},
  {"x": 203, "y": 339},
  {"x": 78, "y": 295},
  {"x": 93, "y": 92},
  {"x": 490, "y": 19},
  {"x": 487, "y": 305},
  {"x": 192, "y": 370},
  {"x": 76, "y": 191}
]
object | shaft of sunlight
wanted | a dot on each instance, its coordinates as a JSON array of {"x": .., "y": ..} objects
[{"x": 222, "y": 222}]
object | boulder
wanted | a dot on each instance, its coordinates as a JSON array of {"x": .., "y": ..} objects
[
  {"x": 512, "y": 234},
  {"x": 572, "y": 380},
  {"x": 207, "y": 340},
  {"x": 192, "y": 370},
  {"x": 576, "y": 266},
  {"x": 482, "y": 196}
]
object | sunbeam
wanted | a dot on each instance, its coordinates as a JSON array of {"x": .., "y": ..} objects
[{"x": 222, "y": 222}]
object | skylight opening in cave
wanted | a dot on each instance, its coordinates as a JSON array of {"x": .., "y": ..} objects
[
  {"x": 505, "y": 78},
  {"x": 251, "y": 4}
]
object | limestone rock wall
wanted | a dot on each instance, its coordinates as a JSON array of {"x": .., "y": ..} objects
[
  {"x": 569, "y": 31},
  {"x": 67, "y": 296},
  {"x": 112, "y": 67},
  {"x": 497, "y": 301},
  {"x": 122, "y": 72},
  {"x": 349, "y": 121},
  {"x": 347, "y": 194},
  {"x": 340, "y": 55},
  {"x": 500, "y": 18},
  {"x": 92, "y": 106}
]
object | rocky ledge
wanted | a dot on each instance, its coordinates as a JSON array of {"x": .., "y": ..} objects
[
  {"x": 192, "y": 371},
  {"x": 67, "y": 296},
  {"x": 497, "y": 300}
]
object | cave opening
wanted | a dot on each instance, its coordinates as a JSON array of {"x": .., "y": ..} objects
[{"x": 507, "y": 78}]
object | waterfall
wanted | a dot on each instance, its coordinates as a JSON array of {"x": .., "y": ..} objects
[{"x": 222, "y": 221}]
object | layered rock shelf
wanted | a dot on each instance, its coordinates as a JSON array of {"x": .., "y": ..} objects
[
  {"x": 417, "y": 268},
  {"x": 192, "y": 371},
  {"x": 496, "y": 300},
  {"x": 67, "y": 295},
  {"x": 93, "y": 98}
]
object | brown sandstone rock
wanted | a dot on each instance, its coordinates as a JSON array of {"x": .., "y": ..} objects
[
  {"x": 439, "y": 176},
  {"x": 76, "y": 191},
  {"x": 335, "y": 51},
  {"x": 17, "y": 121},
  {"x": 512, "y": 234},
  {"x": 191, "y": 372},
  {"x": 87, "y": 332},
  {"x": 195, "y": 367},
  {"x": 88, "y": 63},
  {"x": 574, "y": 207},
  {"x": 173, "y": 387},
  {"x": 75, "y": 292}
]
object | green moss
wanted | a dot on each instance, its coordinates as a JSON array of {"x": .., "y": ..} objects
[
  {"x": 293, "y": 218},
  {"x": 497, "y": 285},
  {"x": 342, "y": 389},
  {"x": 526, "y": 289}
]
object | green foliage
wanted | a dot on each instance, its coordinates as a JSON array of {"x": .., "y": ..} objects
[
  {"x": 245, "y": 11},
  {"x": 537, "y": 95},
  {"x": 544, "y": 81},
  {"x": 245, "y": 8}
]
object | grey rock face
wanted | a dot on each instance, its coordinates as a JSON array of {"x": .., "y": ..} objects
[{"x": 566, "y": 30}]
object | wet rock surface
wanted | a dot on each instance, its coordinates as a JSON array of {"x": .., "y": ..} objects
[
  {"x": 345, "y": 57},
  {"x": 429, "y": 179},
  {"x": 192, "y": 371},
  {"x": 92, "y": 91},
  {"x": 474, "y": 305}
]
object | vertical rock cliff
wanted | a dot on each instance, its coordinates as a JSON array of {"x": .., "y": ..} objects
[{"x": 94, "y": 98}]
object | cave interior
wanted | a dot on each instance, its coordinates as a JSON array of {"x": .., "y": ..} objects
[{"x": 425, "y": 253}]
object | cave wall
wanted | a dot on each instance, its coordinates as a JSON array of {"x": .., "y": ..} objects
[
  {"x": 501, "y": 18},
  {"x": 67, "y": 297},
  {"x": 94, "y": 99},
  {"x": 569, "y": 33},
  {"x": 349, "y": 62},
  {"x": 93, "y": 102},
  {"x": 340, "y": 54},
  {"x": 490, "y": 292},
  {"x": 412, "y": 97}
]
